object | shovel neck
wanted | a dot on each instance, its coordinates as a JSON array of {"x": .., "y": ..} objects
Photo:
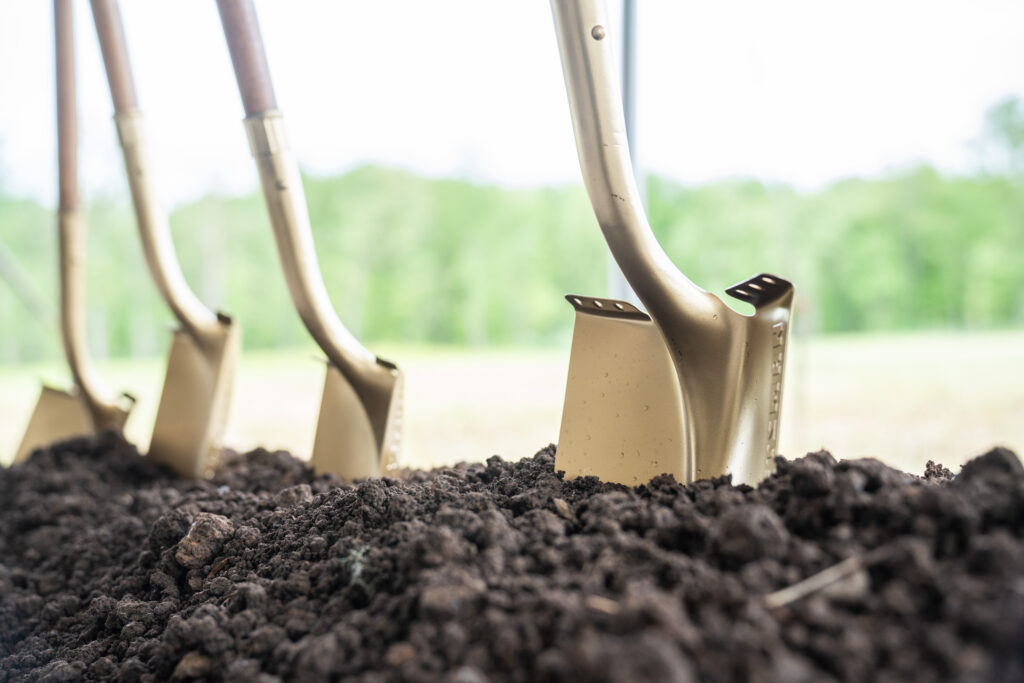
[
  {"x": 71, "y": 235},
  {"x": 599, "y": 124},
  {"x": 293, "y": 233},
  {"x": 154, "y": 228},
  {"x": 155, "y": 231},
  {"x": 72, "y": 238}
]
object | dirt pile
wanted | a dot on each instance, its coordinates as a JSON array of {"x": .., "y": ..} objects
[{"x": 110, "y": 568}]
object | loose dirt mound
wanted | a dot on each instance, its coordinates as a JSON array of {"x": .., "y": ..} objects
[{"x": 110, "y": 568}]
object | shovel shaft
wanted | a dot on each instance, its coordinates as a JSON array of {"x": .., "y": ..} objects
[
  {"x": 588, "y": 64},
  {"x": 360, "y": 412},
  {"x": 155, "y": 233},
  {"x": 285, "y": 199},
  {"x": 245, "y": 43},
  {"x": 289, "y": 218},
  {"x": 154, "y": 228},
  {"x": 67, "y": 116},
  {"x": 100, "y": 401},
  {"x": 99, "y": 398},
  {"x": 106, "y": 15}
]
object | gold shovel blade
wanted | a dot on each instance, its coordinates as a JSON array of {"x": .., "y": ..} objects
[
  {"x": 358, "y": 436},
  {"x": 58, "y": 415},
  {"x": 61, "y": 415},
  {"x": 193, "y": 408},
  {"x": 623, "y": 416}
]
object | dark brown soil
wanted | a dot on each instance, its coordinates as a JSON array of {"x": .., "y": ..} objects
[{"x": 112, "y": 569}]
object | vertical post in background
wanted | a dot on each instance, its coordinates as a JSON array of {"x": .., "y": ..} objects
[{"x": 618, "y": 288}]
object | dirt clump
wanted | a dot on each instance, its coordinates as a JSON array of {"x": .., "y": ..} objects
[{"x": 111, "y": 568}]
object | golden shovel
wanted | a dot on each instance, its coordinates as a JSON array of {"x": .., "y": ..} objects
[
  {"x": 691, "y": 388},
  {"x": 90, "y": 407},
  {"x": 193, "y": 407},
  {"x": 357, "y": 433}
]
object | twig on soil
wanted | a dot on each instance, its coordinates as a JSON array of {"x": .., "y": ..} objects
[
  {"x": 223, "y": 562},
  {"x": 602, "y": 604},
  {"x": 825, "y": 578}
]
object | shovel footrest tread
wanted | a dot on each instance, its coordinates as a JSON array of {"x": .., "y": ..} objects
[
  {"x": 760, "y": 289},
  {"x": 612, "y": 308}
]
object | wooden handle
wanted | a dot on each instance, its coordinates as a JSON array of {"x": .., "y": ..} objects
[
  {"x": 242, "y": 31},
  {"x": 106, "y": 14},
  {"x": 67, "y": 119}
]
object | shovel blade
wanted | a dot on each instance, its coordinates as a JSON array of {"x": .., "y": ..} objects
[
  {"x": 346, "y": 442},
  {"x": 622, "y": 420},
  {"x": 58, "y": 415},
  {"x": 193, "y": 408}
]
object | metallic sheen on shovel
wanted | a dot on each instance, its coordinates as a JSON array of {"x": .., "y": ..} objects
[
  {"x": 90, "y": 407},
  {"x": 692, "y": 387},
  {"x": 193, "y": 408},
  {"x": 359, "y": 426}
]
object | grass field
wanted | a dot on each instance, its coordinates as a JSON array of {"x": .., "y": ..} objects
[{"x": 905, "y": 399}]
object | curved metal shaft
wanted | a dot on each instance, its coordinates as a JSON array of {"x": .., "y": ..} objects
[
  {"x": 154, "y": 228},
  {"x": 285, "y": 198},
  {"x": 100, "y": 400},
  {"x": 286, "y": 202},
  {"x": 359, "y": 427},
  {"x": 601, "y": 142}
]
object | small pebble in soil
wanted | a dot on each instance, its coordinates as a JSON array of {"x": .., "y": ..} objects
[{"x": 204, "y": 539}]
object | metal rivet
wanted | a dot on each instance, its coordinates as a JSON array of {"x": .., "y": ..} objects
[{"x": 597, "y": 32}]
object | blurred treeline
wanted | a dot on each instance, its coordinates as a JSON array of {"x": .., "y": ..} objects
[{"x": 420, "y": 260}]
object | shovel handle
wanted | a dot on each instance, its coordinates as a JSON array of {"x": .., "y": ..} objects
[
  {"x": 245, "y": 43},
  {"x": 286, "y": 200},
  {"x": 154, "y": 227},
  {"x": 106, "y": 16},
  {"x": 71, "y": 229},
  {"x": 67, "y": 116},
  {"x": 588, "y": 64}
]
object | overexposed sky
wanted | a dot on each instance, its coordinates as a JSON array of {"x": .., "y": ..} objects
[{"x": 798, "y": 91}]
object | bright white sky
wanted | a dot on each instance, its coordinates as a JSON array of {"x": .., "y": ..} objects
[{"x": 800, "y": 91}]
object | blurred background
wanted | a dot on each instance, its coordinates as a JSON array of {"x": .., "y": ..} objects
[{"x": 871, "y": 152}]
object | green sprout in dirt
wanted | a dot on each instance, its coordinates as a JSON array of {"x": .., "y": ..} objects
[{"x": 354, "y": 562}]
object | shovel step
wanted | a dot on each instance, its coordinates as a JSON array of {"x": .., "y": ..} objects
[
  {"x": 760, "y": 289},
  {"x": 612, "y": 308}
]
